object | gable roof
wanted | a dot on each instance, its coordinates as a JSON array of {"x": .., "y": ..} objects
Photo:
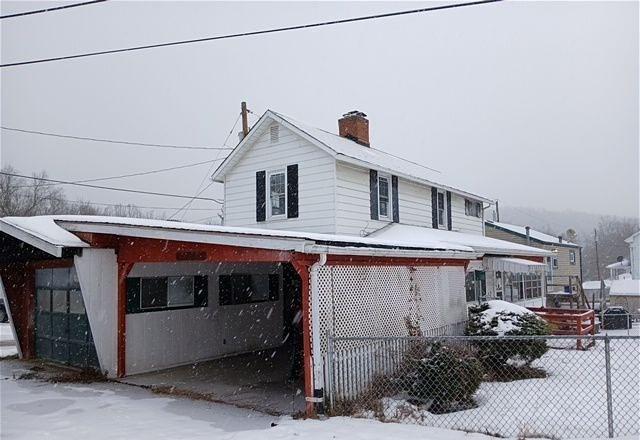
[
  {"x": 538, "y": 236},
  {"x": 632, "y": 237},
  {"x": 348, "y": 151}
]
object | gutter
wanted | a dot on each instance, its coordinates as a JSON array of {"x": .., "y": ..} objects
[{"x": 382, "y": 252}]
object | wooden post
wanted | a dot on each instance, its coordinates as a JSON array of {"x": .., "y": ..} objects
[
  {"x": 245, "y": 119},
  {"x": 123, "y": 271}
]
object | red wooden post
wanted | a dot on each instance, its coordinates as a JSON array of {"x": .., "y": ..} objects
[{"x": 123, "y": 271}]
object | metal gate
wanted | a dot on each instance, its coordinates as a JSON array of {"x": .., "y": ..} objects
[{"x": 63, "y": 334}]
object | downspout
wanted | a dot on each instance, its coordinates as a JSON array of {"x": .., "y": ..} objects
[{"x": 318, "y": 373}]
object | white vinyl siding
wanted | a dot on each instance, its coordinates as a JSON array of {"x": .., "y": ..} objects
[
  {"x": 353, "y": 210},
  {"x": 316, "y": 171},
  {"x": 461, "y": 222}
]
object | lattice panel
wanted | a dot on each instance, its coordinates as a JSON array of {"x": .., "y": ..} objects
[{"x": 388, "y": 300}]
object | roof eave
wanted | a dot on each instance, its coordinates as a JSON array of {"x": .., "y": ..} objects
[{"x": 37, "y": 242}]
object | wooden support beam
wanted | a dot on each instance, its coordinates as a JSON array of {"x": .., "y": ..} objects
[{"x": 123, "y": 272}]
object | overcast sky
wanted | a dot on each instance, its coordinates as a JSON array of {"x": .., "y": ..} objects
[{"x": 531, "y": 103}]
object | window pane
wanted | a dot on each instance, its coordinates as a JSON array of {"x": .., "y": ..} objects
[
  {"x": 61, "y": 278},
  {"x": 59, "y": 301},
  {"x": 76, "y": 304},
  {"x": 277, "y": 193},
  {"x": 153, "y": 293},
  {"x": 180, "y": 291},
  {"x": 441, "y": 208},
  {"x": 383, "y": 196},
  {"x": 44, "y": 300},
  {"x": 43, "y": 277}
]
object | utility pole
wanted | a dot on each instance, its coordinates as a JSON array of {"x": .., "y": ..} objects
[
  {"x": 497, "y": 210},
  {"x": 602, "y": 299},
  {"x": 245, "y": 119}
]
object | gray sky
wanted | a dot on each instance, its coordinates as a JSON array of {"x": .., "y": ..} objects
[{"x": 533, "y": 103}]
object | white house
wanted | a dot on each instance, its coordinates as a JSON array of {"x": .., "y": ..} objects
[
  {"x": 322, "y": 234},
  {"x": 634, "y": 255}
]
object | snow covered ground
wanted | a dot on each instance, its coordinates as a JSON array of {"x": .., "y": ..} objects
[
  {"x": 7, "y": 345},
  {"x": 32, "y": 409}
]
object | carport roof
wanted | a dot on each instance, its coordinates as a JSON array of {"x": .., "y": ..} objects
[{"x": 53, "y": 233}]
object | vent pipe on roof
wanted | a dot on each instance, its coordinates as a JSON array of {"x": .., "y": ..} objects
[
  {"x": 528, "y": 229},
  {"x": 354, "y": 125},
  {"x": 560, "y": 238}
]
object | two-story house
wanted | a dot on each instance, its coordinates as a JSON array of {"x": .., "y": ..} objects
[{"x": 322, "y": 234}]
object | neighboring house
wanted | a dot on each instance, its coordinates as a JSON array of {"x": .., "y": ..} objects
[
  {"x": 626, "y": 293},
  {"x": 322, "y": 235},
  {"x": 619, "y": 269},
  {"x": 592, "y": 289},
  {"x": 564, "y": 266}
]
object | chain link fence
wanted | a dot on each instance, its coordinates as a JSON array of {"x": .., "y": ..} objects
[{"x": 511, "y": 386}]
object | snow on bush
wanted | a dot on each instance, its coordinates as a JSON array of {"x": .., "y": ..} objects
[{"x": 501, "y": 318}]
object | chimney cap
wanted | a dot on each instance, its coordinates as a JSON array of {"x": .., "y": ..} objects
[{"x": 354, "y": 113}]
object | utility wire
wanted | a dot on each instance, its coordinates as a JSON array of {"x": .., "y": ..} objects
[
  {"x": 81, "y": 202},
  {"x": 122, "y": 176},
  {"x": 56, "y": 8},
  {"x": 198, "y": 191},
  {"x": 112, "y": 141},
  {"x": 250, "y": 33},
  {"x": 86, "y": 185}
]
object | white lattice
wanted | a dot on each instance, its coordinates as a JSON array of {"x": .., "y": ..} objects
[{"x": 388, "y": 300}]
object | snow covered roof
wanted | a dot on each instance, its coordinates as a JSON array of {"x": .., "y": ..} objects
[
  {"x": 479, "y": 243},
  {"x": 50, "y": 233},
  {"x": 624, "y": 264},
  {"x": 625, "y": 288},
  {"x": 533, "y": 234},
  {"x": 632, "y": 237},
  {"x": 41, "y": 232},
  {"x": 346, "y": 150},
  {"x": 595, "y": 285}
]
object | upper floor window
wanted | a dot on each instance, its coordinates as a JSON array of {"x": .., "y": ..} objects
[
  {"x": 277, "y": 193},
  {"x": 442, "y": 209},
  {"x": 472, "y": 208},
  {"x": 572, "y": 257},
  {"x": 384, "y": 207},
  {"x": 555, "y": 262}
]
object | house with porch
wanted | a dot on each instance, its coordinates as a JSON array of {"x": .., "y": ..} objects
[{"x": 322, "y": 234}]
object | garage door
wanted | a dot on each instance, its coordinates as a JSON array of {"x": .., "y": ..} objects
[{"x": 62, "y": 327}]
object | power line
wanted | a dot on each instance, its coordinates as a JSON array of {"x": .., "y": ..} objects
[
  {"x": 81, "y": 202},
  {"x": 56, "y": 8},
  {"x": 251, "y": 33},
  {"x": 112, "y": 141},
  {"x": 141, "y": 173},
  {"x": 204, "y": 178},
  {"x": 86, "y": 185}
]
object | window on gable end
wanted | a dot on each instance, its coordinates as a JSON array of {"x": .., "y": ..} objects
[
  {"x": 275, "y": 133},
  {"x": 384, "y": 196}
]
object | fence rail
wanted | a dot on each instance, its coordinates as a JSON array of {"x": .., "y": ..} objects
[{"x": 512, "y": 386}]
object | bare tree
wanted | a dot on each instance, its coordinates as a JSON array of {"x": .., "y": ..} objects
[
  {"x": 612, "y": 231},
  {"x": 24, "y": 197}
]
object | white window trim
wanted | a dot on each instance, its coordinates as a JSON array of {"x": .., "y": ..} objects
[
  {"x": 268, "y": 194},
  {"x": 572, "y": 258},
  {"x": 389, "y": 215},
  {"x": 444, "y": 210}
]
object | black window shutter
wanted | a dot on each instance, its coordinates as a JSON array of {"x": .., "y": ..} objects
[
  {"x": 434, "y": 208},
  {"x": 224, "y": 290},
  {"x": 449, "y": 222},
  {"x": 274, "y": 287},
  {"x": 292, "y": 191},
  {"x": 373, "y": 194},
  {"x": 396, "y": 204},
  {"x": 261, "y": 196},
  {"x": 133, "y": 295},
  {"x": 201, "y": 291}
]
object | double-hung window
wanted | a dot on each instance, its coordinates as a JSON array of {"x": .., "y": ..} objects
[
  {"x": 572, "y": 257},
  {"x": 442, "y": 209},
  {"x": 384, "y": 192},
  {"x": 277, "y": 192}
]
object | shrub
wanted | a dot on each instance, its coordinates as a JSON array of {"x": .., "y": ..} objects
[
  {"x": 499, "y": 318},
  {"x": 446, "y": 376}
]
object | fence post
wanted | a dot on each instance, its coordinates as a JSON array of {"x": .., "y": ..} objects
[
  {"x": 330, "y": 370},
  {"x": 607, "y": 360}
]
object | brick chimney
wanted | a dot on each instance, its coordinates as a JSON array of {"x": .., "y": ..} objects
[{"x": 355, "y": 126}]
